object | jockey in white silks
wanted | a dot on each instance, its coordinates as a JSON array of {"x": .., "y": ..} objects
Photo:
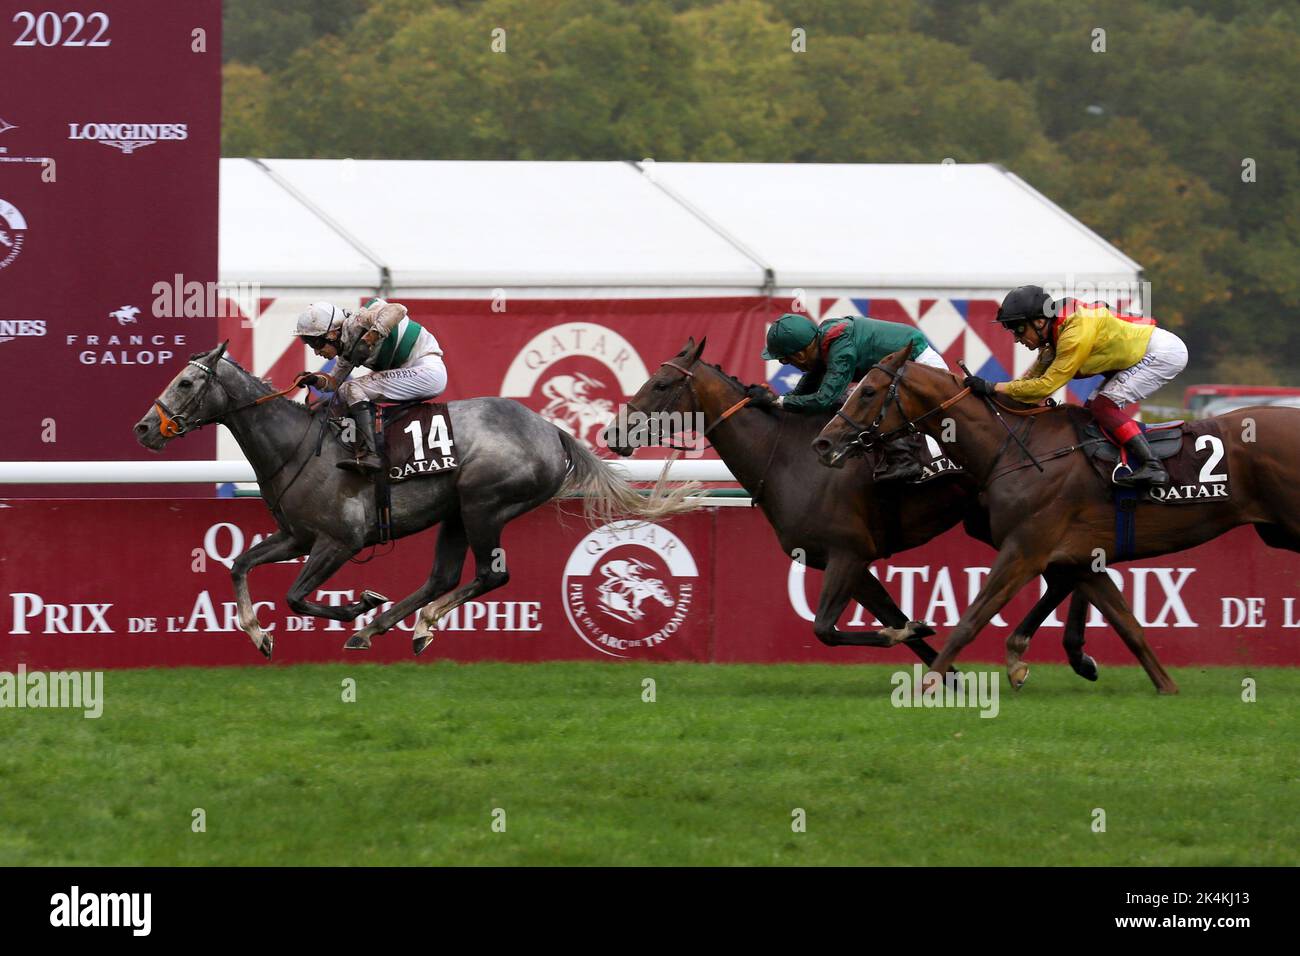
[{"x": 405, "y": 361}]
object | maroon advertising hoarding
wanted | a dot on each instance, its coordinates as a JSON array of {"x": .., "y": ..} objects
[
  {"x": 575, "y": 361},
  {"x": 137, "y": 583},
  {"x": 110, "y": 130}
]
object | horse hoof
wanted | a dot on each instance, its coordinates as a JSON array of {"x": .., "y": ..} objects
[
  {"x": 372, "y": 599},
  {"x": 266, "y": 647},
  {"x": 357, "y": 642},
  {"x": 418, "y": 644},
  {"x": 1018, "y": 675},
  {"x": 920, "y": 629},
  {"x": 1086, "y": 668}
]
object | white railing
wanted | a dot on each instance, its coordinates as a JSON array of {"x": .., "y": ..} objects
[{"x": 217, "y": 472}]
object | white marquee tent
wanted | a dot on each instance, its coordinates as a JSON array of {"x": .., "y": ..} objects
[
  {"x": 295, "y": 230},
  {"x": 429, "y": 229}
]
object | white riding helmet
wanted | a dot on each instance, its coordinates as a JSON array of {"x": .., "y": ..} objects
[{"x": 319, "y": 318}]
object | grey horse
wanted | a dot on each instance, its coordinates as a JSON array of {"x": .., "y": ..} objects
[{"x": 511, "y": 461}]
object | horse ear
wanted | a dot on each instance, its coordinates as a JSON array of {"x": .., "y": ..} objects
[
  {"x": 898, "y": 358},
  {"x": 221, "y": 350},
  {"x": 700, "y": 352},
  {"x": 690, "y": 344}
]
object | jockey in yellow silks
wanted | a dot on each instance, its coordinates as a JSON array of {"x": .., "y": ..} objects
[{"x": 1079, "y": 340}]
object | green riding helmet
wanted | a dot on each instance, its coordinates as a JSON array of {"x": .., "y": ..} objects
[{"x": 789, "y": 334}]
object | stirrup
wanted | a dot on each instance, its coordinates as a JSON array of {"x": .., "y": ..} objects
[{"x": 362, "y": 465}]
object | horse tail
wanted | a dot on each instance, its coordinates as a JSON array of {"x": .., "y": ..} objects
[{"x": 606, "y": 497}]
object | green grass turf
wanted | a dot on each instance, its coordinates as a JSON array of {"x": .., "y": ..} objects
[{"x": 710, "y": 773}]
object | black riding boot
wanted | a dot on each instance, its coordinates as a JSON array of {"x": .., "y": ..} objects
[
  {"x": 899, "y": 461},
  {"x": 367, "y": 462},
  {"x": 1145, "y": 467}
]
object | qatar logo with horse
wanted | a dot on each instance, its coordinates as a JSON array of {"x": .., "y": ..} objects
[
  {"x": 575, "y": 375},
  {"x": 628, "y": 587}
]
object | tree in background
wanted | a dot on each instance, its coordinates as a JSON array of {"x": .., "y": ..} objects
[{"x": 1175, "y": 141}]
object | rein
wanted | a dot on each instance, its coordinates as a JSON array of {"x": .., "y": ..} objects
[
  {"x": 688, "y": 378},
  {"x": 175, "y": 424},
  {"x": 870, "y": 435}
]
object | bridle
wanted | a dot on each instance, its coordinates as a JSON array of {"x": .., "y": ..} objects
[
  {"x": 688, "y": 378},
  {"x": 870, "y": 435},
  {"x": 175, "y": 424}
]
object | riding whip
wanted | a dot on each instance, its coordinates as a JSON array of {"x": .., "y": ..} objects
[{"x": 993, "y": 406}]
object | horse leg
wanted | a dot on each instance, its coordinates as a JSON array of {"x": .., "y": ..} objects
[
  {"x": 845, "y": 577},
  {"x": 871, "y": 594},
  {"x": 1058, "y": 586},
  {"x": 278, "y": 547},
  {"x": 449, "y": 561},
  {"x": 483, "y": 531},
  {"x": 1010, "y": 572},
  {"x": 1072, "y": 641},
  {"x": 1101, "y": 591},
  {"x": 327, "y": 556}
]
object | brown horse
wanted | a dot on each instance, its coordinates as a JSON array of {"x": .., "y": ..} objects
[
  {"x": 1063, "y": 517},
  {"x": 836, "y": 521}
]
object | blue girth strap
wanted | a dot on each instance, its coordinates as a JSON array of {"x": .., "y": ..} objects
[{"x": 1126, "y": 502}]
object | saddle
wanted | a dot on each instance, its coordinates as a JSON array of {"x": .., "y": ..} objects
[
  {"x": 1165, "y": 439},
  {"x": 1194, "y": 454}
]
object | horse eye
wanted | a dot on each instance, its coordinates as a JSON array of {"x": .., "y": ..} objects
[
  {"x": 185, "y": 383},
  {"x": 660, "y": 386}
]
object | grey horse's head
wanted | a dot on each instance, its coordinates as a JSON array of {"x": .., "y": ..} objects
[{"x": 194, "y": 397}]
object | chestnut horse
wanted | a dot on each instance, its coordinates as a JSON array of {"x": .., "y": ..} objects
[
  {"x": 1062, "y": 516},
  {"x": 836, "y": 521}
]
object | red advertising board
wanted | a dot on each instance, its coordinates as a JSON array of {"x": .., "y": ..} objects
[
  {"x": 110, "y": 131},
  {"x": 573, "y": 360},
  {"x": 134, "y": 583}
]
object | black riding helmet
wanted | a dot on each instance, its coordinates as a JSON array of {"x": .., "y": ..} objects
[{"x": 1025, "y": 304}]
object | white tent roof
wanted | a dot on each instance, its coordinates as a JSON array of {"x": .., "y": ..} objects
[
  {"x": 919, "y": 226},
  {"x": 270, "y": 238},
  {"x": 611, "y": 228}
]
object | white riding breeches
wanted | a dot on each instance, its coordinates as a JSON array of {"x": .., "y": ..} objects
[
  {"x": 932, "y": 358},
  {"x": 1166, "y": 356},
  {"x": 426, "y": 379}
]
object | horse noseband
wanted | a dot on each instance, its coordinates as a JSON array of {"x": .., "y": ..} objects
[{"x": 173, "y": 425}]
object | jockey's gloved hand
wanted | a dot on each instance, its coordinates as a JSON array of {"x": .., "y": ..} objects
[
  {"x": 317, "y": 380},
  {"x": 762, "y": 396},
  {"x": 979, "y": 386}
]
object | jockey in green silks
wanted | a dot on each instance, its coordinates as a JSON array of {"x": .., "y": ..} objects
[{"x": 834, "y": 356}]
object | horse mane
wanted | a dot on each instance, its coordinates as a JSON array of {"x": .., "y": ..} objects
[
  {"x": 266, "y": 383},
  {"x": 818, "y": 417},
  {"x": 731, "y": 378}
]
